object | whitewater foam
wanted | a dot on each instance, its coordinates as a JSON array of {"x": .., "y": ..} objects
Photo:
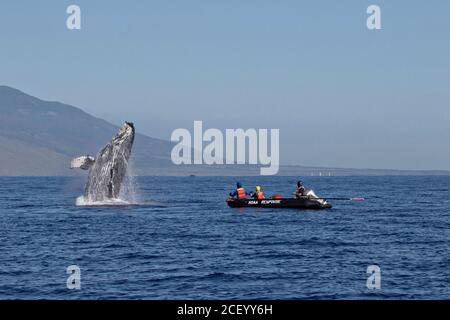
[{"x": 82, "y": 201}]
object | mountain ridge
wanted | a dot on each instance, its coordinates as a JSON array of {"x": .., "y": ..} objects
[{"x": 39, "y": 137}]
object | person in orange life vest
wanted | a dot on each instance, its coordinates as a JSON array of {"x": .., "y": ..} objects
[
  {"x": 240, "y": 192},
  {"x": 300, "y": 191},
  {"x": 258, "y": 194}
]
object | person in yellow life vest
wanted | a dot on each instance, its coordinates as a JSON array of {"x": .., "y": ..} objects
[
  {"x": 240, "y": 192},
  {"x": 258, "y": 194}
]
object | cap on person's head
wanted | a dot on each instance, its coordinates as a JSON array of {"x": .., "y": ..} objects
[
  {"x": 299, "y": 183},
  {"x": 238, "y": 184},
  {"x": 258, "y": 188}
]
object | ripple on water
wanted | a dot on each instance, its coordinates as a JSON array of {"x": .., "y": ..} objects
[{"x": 182, "y": 241}]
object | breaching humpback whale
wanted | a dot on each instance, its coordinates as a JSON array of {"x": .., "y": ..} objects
[{"x": 108, "y": 169}]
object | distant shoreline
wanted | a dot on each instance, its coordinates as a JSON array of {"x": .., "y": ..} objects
[{"x": 232, "y": 171}]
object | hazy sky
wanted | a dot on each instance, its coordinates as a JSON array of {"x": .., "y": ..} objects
[{"x": 342, "y": 95}]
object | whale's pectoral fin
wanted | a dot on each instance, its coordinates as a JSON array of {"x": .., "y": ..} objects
[{"x": 83, "y": 162}]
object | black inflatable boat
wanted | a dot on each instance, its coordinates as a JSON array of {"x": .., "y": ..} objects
[{"x": 300, "y": 203}]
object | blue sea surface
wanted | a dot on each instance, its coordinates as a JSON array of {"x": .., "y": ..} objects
[{"x": 184, "y": 242}]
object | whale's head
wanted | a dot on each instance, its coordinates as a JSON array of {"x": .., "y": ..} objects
[{"x": 125, "y": 136}]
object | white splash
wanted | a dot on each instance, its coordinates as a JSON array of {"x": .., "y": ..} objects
[
  {"x": 129, "y": 189},
  {"x": 83, "y": 202},
  {"x": 128, "y": 193}
]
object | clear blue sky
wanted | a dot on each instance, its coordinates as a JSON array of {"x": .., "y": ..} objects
[{"x": 341, "y": 95}]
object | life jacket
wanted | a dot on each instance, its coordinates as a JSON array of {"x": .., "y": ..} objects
[
  {"x": 259, "y": 195},
  {"x": 301, "y": 190},
  {"x": 241, "y": 193}
]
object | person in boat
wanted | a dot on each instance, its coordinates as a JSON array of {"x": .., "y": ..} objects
[
  {"x": 239, "y": 193},
  {"x": 300, "y": 191},
  {"x": 258, "y": 194},
  {"x": 303, "y": 192}
]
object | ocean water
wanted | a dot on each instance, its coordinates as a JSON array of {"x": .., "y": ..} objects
[{"x": 184, "y": 242}]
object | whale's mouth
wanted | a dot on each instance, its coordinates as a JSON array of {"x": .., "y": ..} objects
[
  {"x": 126, "y": 132},
  {"x": 130, "y": 124}
]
